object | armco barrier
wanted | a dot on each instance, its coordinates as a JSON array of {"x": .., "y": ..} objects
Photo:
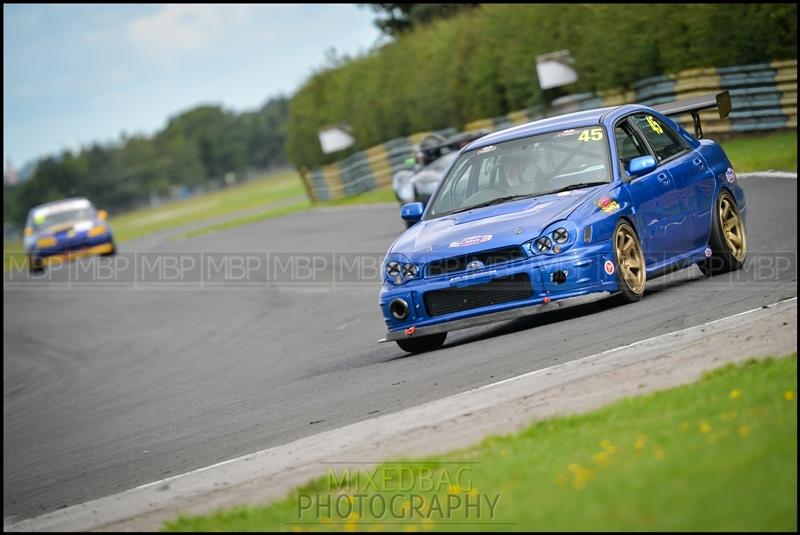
[{"x": 763, "y": 97}]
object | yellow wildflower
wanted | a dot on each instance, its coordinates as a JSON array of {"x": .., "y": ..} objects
[
  {"x": 788, "y": 395},
  {"x": 608, "y": 446},
  {"x": 600, "y": 459},
  {"x": 736, "y": 394},
  {"x": 705, "y": 428},
  {"x": 744, "y": 431}
]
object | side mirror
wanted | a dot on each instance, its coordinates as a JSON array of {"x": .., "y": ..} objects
[
  {"x": 102, "y": 214},
  {"x": 412, "y": 212},
  {"x": 642, "y": 165}
]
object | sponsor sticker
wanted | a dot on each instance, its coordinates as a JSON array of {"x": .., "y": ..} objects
[
  {"x": 472, "y": 240},
  {"x": 607, "y": 205},
  {"x": 462, "y": 278},
  {"x": 609, "y": 267},
  {"x": 730, "y": 175},
  {"x": 708, "y": 252},
  {"x": 566, "y": 133}
]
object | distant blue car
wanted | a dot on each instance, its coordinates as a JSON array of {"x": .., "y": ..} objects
[
  {"x": 66, "y": 229},
  {"x": 561, "y": 211}
]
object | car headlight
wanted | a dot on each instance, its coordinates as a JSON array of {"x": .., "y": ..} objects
[
  {"x": 543, "y": 244},
  {"x": 555, "y": 238},
  {"x": 97, "y": 231},
  {"x": 393, "y": 269},
  {"x": 409, "y": 271},
  {"x": 46, "y": 241},
  {"x": 400, "y": 271}
]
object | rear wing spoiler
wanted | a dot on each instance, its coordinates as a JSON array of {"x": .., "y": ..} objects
[{"x": 721, "y": 101}]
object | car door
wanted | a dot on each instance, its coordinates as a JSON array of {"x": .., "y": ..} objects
[
  {"x": 653, "y": 195},
  {"x": 693, "y": 181}
]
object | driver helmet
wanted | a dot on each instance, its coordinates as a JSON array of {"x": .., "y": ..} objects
[{"x": 514, "y": 166}]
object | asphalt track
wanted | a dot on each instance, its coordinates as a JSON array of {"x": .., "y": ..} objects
[{"x": 112, "y": 384}]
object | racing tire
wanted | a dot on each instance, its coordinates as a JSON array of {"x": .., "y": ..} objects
[
  {"x": 35, "y": 265},
  {"x": 728, "y": 241},
  {"x": 423, "y": 343},
  {"x": 630, "y": 263}
]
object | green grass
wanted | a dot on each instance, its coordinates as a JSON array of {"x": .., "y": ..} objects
[
  {"x": 761, "y": 152},
  {"x": 272, "y": 188},
  {"x": 384, "y": 194},
  {"x": 719, "y": 454}
]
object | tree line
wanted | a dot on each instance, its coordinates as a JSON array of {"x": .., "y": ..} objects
[
  {"x": 481, "y": 62},
  {"x": 196, "y": 147}
]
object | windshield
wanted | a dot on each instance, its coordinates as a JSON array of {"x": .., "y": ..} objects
[
  {"x": 523, "y": 168},
  {"x": 42, "y": 220}
]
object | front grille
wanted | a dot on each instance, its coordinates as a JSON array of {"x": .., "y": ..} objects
[
  {"x": 501, "y": 290},
  {"x": 457, "y": 264}
]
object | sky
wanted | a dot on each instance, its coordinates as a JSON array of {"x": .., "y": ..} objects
[{"x": 78, "y": 74}]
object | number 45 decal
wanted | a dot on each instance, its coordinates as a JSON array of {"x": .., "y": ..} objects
[{"x": 594, "y": 134}]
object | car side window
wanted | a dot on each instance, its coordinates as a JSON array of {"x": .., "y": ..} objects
[
  {"x": 486, "y": 173},
  {"x": 629, "y": 145},
  {"x": 664, "y": 141}
]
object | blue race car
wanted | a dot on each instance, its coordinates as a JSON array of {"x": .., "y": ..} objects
[
  {"x": 561, "y": 211},
  {"x": 65, "y": 229}
]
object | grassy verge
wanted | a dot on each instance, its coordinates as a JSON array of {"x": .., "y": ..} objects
[
  {"x": 719, "y": 454},
  {"x": 384, "y": 194},
  {"x": 762, "y": 152},
  {"x": 270, "y": 189}
]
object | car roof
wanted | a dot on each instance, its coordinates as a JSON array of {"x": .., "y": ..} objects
[
  {"x": 75, "y": 203},
  {"x": 549, "y": 124}
]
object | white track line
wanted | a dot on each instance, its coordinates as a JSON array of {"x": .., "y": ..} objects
[
  {"x": 620, "y": 348},
  {"x": 769, "y": 174}
]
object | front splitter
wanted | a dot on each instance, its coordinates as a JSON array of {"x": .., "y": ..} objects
[{"x": 504, "y": 315}]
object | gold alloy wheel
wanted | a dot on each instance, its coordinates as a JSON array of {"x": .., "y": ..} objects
[
  {"x": 732, "y": 228},
  {"x": 630, "y": 259}
]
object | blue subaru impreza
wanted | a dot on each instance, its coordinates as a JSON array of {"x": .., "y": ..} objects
[{"x": 561, "y": 211}]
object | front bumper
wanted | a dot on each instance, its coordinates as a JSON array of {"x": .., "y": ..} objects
[
  {"x": 76, "y": 247},
  {"x": 586, "y": 280}
]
